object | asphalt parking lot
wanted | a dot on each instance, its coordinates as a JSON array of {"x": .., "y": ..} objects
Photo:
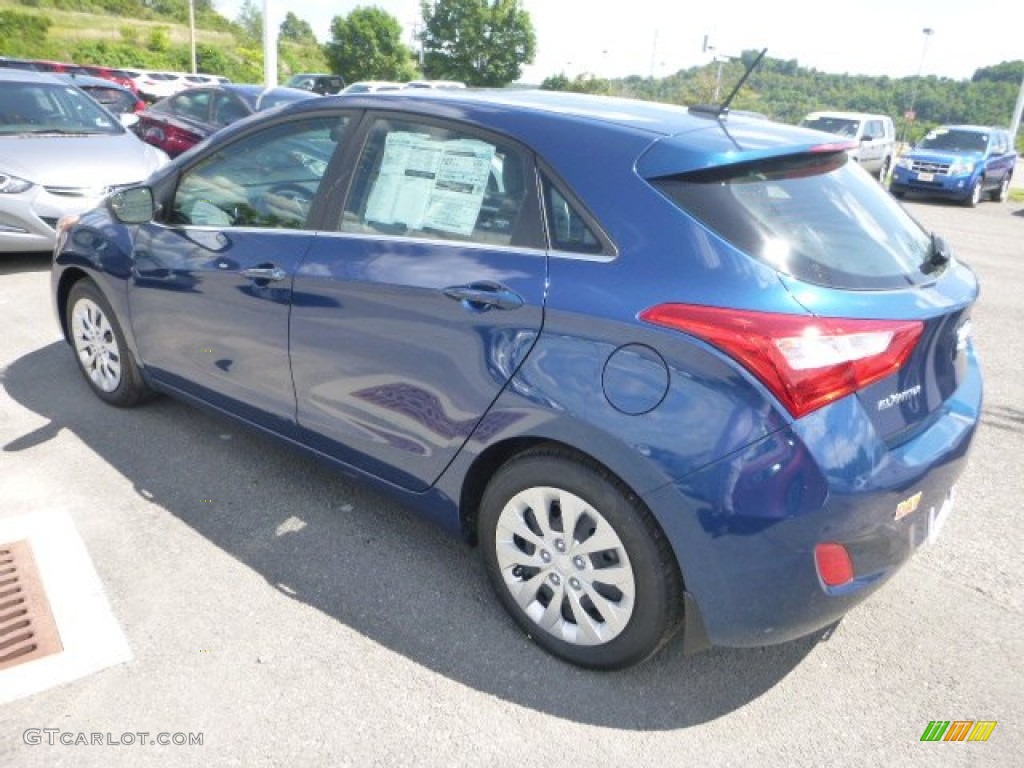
[{"x": 293, "y": 618}]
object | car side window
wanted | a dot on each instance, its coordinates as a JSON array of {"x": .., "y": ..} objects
[
  {"x": 227, "y": 109},
  {"x": 267, "y": 179},
  {"x": 193, "y": 104},
  {"x": 424, "y": 181},
  {"x": 567, "y": 228}
]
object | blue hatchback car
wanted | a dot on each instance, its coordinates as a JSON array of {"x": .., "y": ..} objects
[{"x": 668, "y": 370}]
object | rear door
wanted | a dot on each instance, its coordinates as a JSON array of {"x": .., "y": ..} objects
[
  {"x": 211, "y": 287},
  {"x": 409, "y": 319},
  {"x": 1000, "y": 160}
]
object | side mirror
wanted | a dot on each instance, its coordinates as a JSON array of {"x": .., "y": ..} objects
[
  {"x": 129, "y": 119},
  {"x": 133, "y": 206}
]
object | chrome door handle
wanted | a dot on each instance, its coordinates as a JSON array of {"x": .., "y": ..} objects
[
  {"x": 265, "y": 273},
  {"x": 484, "y": 296}
]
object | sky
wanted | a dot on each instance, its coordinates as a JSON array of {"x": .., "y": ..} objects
[{"x": 617, "y": 38}]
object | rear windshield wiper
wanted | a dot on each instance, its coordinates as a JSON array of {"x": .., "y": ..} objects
[{"x": 939, "y": 253}]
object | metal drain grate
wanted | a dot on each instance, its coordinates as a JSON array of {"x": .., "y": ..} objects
[{"x": 27, "y": 628}]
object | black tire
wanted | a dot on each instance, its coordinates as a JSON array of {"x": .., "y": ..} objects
[
  {"x": 972, "y": 200},
  {"x": 1000, "y": 193},
  {"x": 642, "y": 614},
  {"x": 100, "y": 350}
]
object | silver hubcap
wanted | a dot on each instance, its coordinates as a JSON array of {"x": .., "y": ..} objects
[
  {"x": 96, "y": 345},
  {"x": 565, "y": 566},
  {"x": 976, "y": 193}
]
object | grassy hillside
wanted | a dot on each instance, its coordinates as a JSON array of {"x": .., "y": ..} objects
[
  {"x": 152, "y": 43},
  {"x": 69, "y": 28}
]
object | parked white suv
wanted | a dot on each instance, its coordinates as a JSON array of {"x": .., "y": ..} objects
[{"x": 874, "y": 134}]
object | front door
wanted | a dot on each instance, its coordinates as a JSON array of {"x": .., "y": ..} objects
[{"x": 211, "y": 291}]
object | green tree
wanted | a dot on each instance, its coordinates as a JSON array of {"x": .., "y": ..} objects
[
  {"x": 1007, "y": 72},
  {"x": 584, "y": 83},
  {"x": 296, "y": 30},
  {"x": 250, "y": 19},
  {"x": 481, "y": 42},
  {"x": 367, "y": 45}
]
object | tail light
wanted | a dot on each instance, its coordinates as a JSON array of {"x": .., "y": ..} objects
[
  {"x": 806, "y": 362},
  {"x": 140, "y": 106}
]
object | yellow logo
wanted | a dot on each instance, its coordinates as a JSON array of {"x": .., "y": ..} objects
[{"x": 907, "y": 506}]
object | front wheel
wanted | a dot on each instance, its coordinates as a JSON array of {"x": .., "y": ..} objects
[
  {"x": 974, "y": 197},
  {"x": 578, "y": 561},
  {"x": 100, "y": 349}
]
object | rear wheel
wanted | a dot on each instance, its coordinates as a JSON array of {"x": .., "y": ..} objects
[
  {"x": 578, "y": 561},
  {"x": 1003, "y": 190},
  {"x": 100, "y": 349},
  {"x": 883, "y": 171}
]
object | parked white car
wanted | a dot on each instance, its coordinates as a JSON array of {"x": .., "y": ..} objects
[
  {"x": 874, "y": 135},
  {"x": 154, "y": 86},
  {"x": 372, "y": 86},
  {"x": 443, "y": 84}
]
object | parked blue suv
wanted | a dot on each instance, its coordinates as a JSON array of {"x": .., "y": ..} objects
[
  {"x": 669, "y": 370},
  {"x": 959, "y": 162}
]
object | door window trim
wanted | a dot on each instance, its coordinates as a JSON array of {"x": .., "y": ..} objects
[{"x": 609, "y": 251}]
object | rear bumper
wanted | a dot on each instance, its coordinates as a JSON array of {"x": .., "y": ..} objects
[{"x": 746, "y": 549}]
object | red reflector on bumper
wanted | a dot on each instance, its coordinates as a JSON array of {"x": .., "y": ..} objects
[{"x": 834, "y": 564}]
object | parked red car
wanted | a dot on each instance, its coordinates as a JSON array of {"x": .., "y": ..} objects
[
  {"x": 118, "y": 76},
  {"x": 181, "y": 121}
]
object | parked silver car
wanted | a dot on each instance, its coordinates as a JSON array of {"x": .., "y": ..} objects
[{"x": 60, "y": 153}]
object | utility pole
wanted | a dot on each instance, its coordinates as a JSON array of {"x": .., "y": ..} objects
[
  {"x": 654, "y": 53},
  {"x": 269, "y": 48},
  {"x": 910, "y": 114},
  {"x": 719, "y": 59},
  {"x": 192, "y": 32},
  {"x": 1015, "y": 125}
]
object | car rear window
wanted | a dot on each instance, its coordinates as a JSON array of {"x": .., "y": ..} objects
[
  {"x": 843, "y": 126},
  {"x": 814, "y": 216}
]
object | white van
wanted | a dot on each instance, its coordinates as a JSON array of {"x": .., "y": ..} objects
[{"x": 874, "y": 134}]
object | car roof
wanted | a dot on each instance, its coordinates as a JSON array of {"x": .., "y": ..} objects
[
  {"x": 670, "y": 138},
  {"x": 87, "y": 81},
  {"x": 852, "y": 115},
  {"x": 555, "y": 106},
  {"x": 28, "y": 76},
  {"x": 968, "y": 128}
]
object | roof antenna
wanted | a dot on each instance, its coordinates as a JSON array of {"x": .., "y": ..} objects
[{"x": 722, "y": 110}]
